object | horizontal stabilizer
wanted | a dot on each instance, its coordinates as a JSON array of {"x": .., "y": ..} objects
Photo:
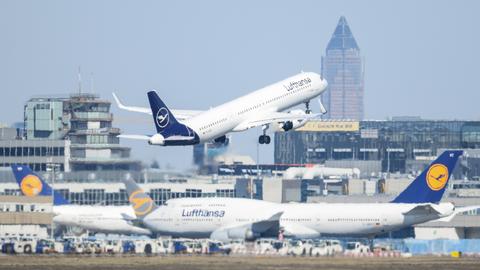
[
  {"x": 134, "y": 137},
  {"x": 458, "y": 210}
]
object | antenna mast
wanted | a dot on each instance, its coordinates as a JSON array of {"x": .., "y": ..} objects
[{"x": 79, "y": 81}]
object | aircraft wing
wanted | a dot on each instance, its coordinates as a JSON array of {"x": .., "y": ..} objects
[
  {"x": 422, "y": 209},
  {"x": 297, "y": 117},
  {"x": 134, "y": 137},
  {"x": 249, "y": 231},
  {"x": 179, "y": 114}
]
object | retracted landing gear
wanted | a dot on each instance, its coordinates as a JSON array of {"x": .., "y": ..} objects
[{"x": 264, "y": 139}]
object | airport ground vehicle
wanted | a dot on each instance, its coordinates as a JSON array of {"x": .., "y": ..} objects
[
  {"x": 25, "y": 245},
  {"x": 45, "y": 246},
  {"x": 335, "y": 246},
  {"x": 8, "y": 245},
  {"x": 356, "y": 248},
  {"x": 179, "y": 246},
  {"x": 217, "y": 247},
  {"x": 193, "y": 247},
  {"x": 147, "y": 246},
  {"x": 264, "y": 246},
  {"x": 300, "y": 247},
  {"x": 320, "y": 248},
  {"x": 113, "y": 246},
  {"x": 128, "y": 246},
  {"x": 280, "y": 247},
  {"x": 237, "y": 246}
]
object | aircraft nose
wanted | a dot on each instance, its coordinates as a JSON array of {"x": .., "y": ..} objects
[{"x": 323, "y": 84}]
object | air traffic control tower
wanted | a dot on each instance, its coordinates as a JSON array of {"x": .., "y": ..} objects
[{"x": 74, "y": 132}]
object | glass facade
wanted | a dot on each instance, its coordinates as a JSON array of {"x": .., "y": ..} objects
[
  {"x": 159, "y": 195},
  {"x": 391, "y": 142},
  {"x": 342, "y": 67}
]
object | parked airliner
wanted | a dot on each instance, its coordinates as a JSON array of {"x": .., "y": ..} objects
[
  {"x": 263, "y": 108},
  {"x": 233, "y": 218},
  {"x": 106, "y": 219}
]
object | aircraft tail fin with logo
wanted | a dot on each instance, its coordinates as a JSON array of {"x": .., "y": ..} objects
[
  {"x": 430, "y": 185},
  {"x": 162, "y": 116},
  {"x": 32, "y": 185},
  {"x": 172, "y": 131},
  {"x": 142, "y": 204}
]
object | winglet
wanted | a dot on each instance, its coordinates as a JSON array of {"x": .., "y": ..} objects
[
  {"x": 32, "y": 185},
  {"x": 430, "y": 185},
  {"x": 130, "y": 108},
  {"x": 119, "y": 104}
]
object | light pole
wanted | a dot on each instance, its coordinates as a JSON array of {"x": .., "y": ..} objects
[{"x": 51, "y": 167}]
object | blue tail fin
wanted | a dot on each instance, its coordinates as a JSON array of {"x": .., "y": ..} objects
[
  {"x": 33, "y": 185},
  {"x": 430, "y": 185},
  {"x": 167, "y": 125},
  {"x": 162, "y": 116}
]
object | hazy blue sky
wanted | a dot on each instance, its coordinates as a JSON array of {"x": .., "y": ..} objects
[{"x": 421, "y": 57}]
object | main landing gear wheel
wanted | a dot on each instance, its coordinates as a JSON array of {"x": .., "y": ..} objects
[{"x": 264, "y": 139}]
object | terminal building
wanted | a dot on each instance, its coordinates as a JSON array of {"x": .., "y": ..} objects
[
  {"x": 22, "y": 216},
  {"x": 399, "y": 145}
]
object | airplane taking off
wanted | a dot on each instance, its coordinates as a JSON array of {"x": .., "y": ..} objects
[
  {"x": 236, "y": 218},
  {"x": 263, "y": 108},
  {"x": 106, "y": 219}
]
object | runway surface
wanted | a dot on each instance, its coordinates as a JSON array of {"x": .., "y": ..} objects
[{"x": 232, "y": 263}]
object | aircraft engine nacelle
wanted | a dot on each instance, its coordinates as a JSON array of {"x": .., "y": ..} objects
[
  {"x": 291, "y": 125},
  {"x": 222, "y": 140},
  {"x": 156, "y": 139},
  {"x": 287, "y": 125},
  {"x": 244, "y": 233}
]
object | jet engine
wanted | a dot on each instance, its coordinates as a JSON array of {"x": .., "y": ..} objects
[
  {"x": 293, "y": 124},
  {"x": 222, "y": 140},
  {"x": 243, "y": 232},
  {"x": 157, "y": 139},
  {"x": 287, "y": 125}
]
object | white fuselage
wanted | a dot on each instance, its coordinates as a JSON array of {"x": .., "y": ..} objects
[
  {"x": 277, "y": 97},
  {"x": 201, "y": 216},
  {"x": 106, "y": 219}
]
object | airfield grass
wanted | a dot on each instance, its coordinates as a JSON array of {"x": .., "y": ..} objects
[{"x": 232, "y": 263}]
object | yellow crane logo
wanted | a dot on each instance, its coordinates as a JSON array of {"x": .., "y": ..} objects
[
  {"x": 142, "y": 203},
  {"x": 31, "y": 185},
  {"x": 437, "y": 177}
]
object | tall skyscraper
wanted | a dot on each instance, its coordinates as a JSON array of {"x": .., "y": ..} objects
[{"x": 343, "y": 68}]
